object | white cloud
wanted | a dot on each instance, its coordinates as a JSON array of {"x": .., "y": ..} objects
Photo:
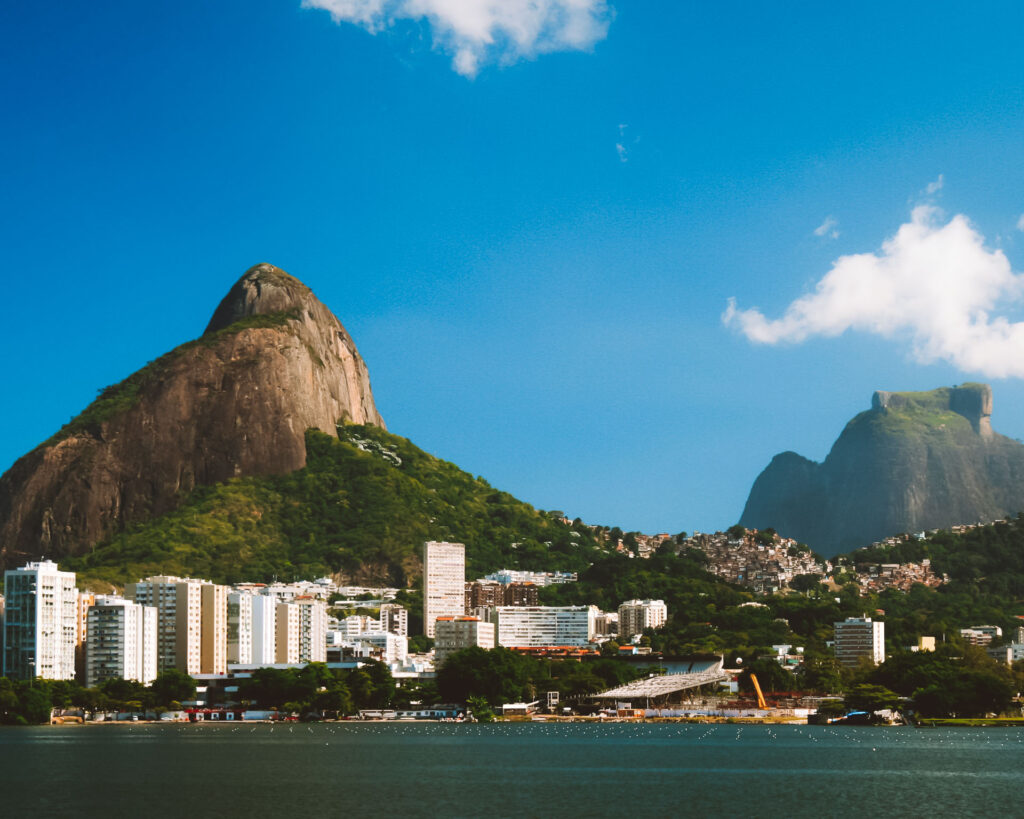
[
  {"x": 1020, "y": 222},
  {"x": 828, "y": 228},
  {"x": 936, "y": 186},
  {"x": 934, "y": 283},
  {"x": 476, "y": 32}
]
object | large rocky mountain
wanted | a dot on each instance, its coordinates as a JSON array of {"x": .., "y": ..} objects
[
  {"x": 273, "y": 363},
  {"x": 914, "y": 461}
]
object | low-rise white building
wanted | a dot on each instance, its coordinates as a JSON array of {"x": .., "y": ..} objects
[
  {"x": 981, "y": 635},
  {"x": 507, "y": 576},
  {"x": 356, "y": 624},
  {"x": 533, "y": 626}
]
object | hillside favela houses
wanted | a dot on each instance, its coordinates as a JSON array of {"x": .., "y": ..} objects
[{"x": 221, "y": 635}]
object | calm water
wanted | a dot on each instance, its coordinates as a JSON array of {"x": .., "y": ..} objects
[{"x": 537, "y": 769}]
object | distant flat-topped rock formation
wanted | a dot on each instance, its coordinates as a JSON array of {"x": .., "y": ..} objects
[
  {"x": 237, "y": 401},
  {"x": 914, "y": 461}
]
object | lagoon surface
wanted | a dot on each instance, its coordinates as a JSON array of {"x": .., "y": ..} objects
[{"x": 509, "y": 769}]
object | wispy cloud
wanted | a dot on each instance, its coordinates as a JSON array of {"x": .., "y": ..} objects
[
  {"x": 620, "y": 146},
  {"x": 1020, "y": 222},
  {"x": 476, "y": 32},
  {"x": 934, "y": 283},
  {"x": 936, "y": 186},
  {"x": 828, "y": 228}
]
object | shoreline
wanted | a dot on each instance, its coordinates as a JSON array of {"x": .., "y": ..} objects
[{"x": 980, "y": 722}]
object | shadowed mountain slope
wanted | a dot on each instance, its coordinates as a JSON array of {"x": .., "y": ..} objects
[{"x": 914, "y": 461}]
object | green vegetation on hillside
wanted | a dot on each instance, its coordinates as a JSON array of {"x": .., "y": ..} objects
[
  {"x": 989, "y": 560},
  {"x": 120, "y": 397},
  {"x": 913, "y": 420},
  {"x": 363, "y": 505},
  {"x": 985, "y": 566}
]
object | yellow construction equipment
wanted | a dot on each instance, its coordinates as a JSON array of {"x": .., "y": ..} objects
[{"x": 760, "y": 697}]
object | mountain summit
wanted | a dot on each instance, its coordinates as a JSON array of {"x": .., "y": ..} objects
[
  {"x": 272, "y": 363},
  {"x": 914, "y": 461}
]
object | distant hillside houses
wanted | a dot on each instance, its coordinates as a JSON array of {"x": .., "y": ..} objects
[
  {"x": 766, "y": 562},
  {"x": 905, "y": 537},
  {"x": 898, "y": 576},
  {"x": 762, "y": 561}
]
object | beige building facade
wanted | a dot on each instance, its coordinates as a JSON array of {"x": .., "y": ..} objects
[
  {"x": 214, "y": 640},
  {"x": 455, "y": 633},
  {"x": 287, "y": 632}
]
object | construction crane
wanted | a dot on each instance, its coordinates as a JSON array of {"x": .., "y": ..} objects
[{"x": 760, "y": 697}]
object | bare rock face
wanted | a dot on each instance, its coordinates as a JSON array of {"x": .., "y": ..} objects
[
  {"x": 914, "y": 461},
  {"x": 272, "y": 363}
]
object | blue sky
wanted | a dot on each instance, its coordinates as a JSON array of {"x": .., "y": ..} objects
[{"x": 533, "y": 242}]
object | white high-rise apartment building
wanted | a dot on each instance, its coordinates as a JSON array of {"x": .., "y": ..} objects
[
  {"x": 40, "y": 622},
  {"x": 240, "y": 627},
  {"x": 120, "y": 641},
  {"x": 312, "y": 629},
  {"x": 444, "y": 582},
  {"x": 179, "y": 606},
  {"x": 264, "y": 630},
  {"x": 858, "y": 638},
  {"x": 288, "y": 629},
  {"x": 532, "y": 626},
  {"x": 637, "y": 615}
]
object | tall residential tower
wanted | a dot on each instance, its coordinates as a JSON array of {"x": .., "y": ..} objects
[
  {"x": 40, "y": 622},
  {"x": 444, "y": 582}
]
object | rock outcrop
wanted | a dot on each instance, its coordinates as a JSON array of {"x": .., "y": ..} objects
[
  {"x": 272, "y": 363},
  {"x": 914, "y": 461}
]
